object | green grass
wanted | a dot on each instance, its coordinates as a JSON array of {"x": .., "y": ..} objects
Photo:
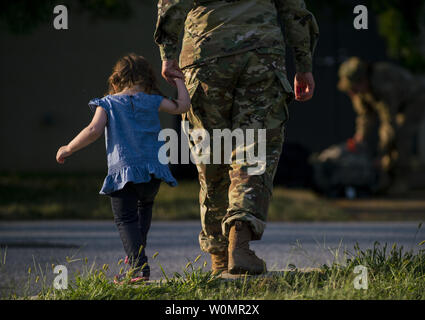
[
  {"x": 75, "y": 196},
  {"x": 392, "y": 274}
]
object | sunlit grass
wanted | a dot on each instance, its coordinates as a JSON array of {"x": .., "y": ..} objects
[{"x": 393, "y": 273}]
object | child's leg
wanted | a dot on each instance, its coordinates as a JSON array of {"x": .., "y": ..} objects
[
  {"x": 146, "y": 193},
  {"x": 144, "y": 210},
  {"x": 125, "y": 208}
]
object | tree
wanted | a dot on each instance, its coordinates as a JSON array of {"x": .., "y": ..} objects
[{"x": 401, "y": 23}]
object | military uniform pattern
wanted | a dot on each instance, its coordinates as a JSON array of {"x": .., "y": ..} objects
[
  {"x": 247, "y": 91},
  {"x": 397, "y": 100},
  {"x": 233, "y": 59},
  {"x": 217, "y": 28}
]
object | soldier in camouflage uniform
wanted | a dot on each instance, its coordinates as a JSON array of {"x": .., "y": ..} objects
[
  {"x": 233, "y": 59},
  {"x": 391, "y": 94}
]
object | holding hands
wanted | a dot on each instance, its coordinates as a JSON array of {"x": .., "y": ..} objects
[
  {"x": 171, "y": 71},
  {"x": 303, "y": 83},
  {"x": 174, "y": 76}
]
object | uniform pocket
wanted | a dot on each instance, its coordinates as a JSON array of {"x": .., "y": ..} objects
[
  {"x": 192, "y": 88},
  {"x": 287, "y": 89},
  {"x": 192, "y": 85},
  {"x": 192, "y": 81},
  {"x": 286, "y": 86}
]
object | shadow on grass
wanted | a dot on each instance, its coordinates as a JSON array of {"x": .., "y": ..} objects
[{"x": 75, "y": 196}]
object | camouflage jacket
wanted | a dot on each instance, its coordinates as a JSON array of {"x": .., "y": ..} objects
[
  {"x": 391, "y": 91},
  {"x": 216, "y": 28}
]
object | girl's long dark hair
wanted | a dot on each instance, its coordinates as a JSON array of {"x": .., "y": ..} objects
[{"x": 132, "y": 70}]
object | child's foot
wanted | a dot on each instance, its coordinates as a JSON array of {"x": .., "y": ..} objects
[{"x": 136, "y": 278}]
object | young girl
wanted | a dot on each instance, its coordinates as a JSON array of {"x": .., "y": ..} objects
[{"x": 129, "y": 118}]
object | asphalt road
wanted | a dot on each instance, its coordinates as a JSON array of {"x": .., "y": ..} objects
[{"x": 39, "y": 244}]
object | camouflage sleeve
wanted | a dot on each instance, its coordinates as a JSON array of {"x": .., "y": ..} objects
[
  {"x": 366, "y": 118},
  {"x": 386, "y": 127},
  {"x": 391, "y": 84},
  {"x": 171, "y": 18},
  {"x": 301, "y": 31}
]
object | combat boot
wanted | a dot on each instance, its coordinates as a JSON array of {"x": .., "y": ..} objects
[
  {"x": 219, "y": 262},
  {"x": 241, "y": 259}
]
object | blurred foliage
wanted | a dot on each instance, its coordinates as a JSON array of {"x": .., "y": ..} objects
[
  {"x": 23, "y": 16},
  {"x": 401, "y": 23}
]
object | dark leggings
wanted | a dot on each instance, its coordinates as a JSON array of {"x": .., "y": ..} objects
[{"x": 132, "y": 208}]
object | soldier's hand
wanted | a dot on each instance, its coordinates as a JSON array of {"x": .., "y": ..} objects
[
  {"x": 171, "y": 70},
  {"x": 304, "y": 86},
  {"x": 351, "y": 145},
  {"x": 358, "y": 138}
]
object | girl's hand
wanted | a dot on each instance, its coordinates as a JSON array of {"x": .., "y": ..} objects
[
  {"x": 87, "y": 136},
  {"x": 63, "y": 153},
  {"x": 179, "y": 105},
  {"x": 178, "y": 81},
  {"x": 171, "y": 70}
]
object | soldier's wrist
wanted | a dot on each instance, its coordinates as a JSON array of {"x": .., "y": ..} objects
[
  {"x": 303, "y": 61},
  {"x": 303, "y": 67},
  {"x": 167, "y": 53}
]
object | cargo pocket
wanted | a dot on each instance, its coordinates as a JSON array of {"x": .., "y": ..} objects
[
  {"x": 287, "y": 89},
  {"x": 192, "y": 85},
  {"x": 192, "y": 81},
  {"x": 286, "y": 86}
]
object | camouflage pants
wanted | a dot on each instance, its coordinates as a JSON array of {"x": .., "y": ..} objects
[
  {"x": 247, "y": 91},
  {"x": 406, "y": 131}
]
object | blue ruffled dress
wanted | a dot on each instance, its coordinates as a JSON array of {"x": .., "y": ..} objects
[{"x": 131, "y": 137}]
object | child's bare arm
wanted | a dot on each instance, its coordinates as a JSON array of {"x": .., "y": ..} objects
[
  {"x": 181, "y": 104},
  {"x": 87, "y": 136}
]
